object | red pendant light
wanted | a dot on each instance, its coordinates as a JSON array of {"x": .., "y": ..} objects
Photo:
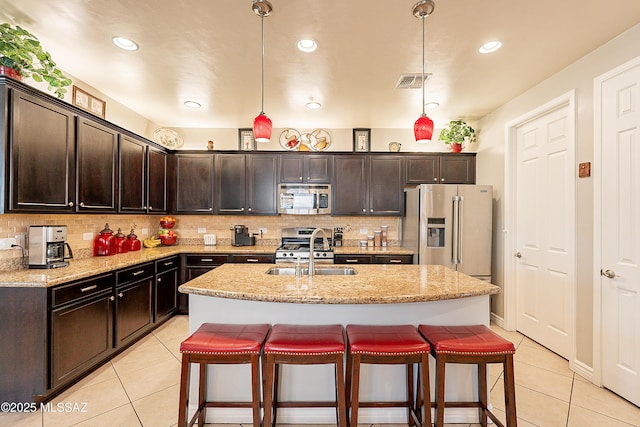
[
  {"x": 262, "y": 124},
  {"x": 423, "y": 127}
]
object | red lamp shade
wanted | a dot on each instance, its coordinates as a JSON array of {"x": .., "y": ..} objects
[
  {"x": 262, "y": 128},
  {"x": 423, "y": 129}
]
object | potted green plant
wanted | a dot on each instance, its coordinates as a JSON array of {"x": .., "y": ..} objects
[
  {"x": 457, "y": 133},
  {"x": 22, "y": 52}
]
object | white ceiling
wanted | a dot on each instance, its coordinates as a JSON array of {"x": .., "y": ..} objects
[{"x": 209, "y": 51}]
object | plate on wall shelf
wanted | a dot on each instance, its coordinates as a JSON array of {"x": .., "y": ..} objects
[
  {"x": 168, "y": 138},
  {"x": 319, "y": 139},
  {"x": 290, "y": 139}
]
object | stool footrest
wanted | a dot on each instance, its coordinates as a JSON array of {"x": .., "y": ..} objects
[{"x": 306, "y": 404}]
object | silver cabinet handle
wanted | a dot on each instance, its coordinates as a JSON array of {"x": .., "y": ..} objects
[
  {"x": 168, "y": 263},
  {"x": 139, "y": 272},
  {"x": 112, "y": 298},
  {"x": 120, "y": 294},
  {"x": 609, "y": 274},
  {"x": 249, "y": 209},
  {"x": 395, "y": 261},
  {"x": 206, "y": 259},
  {"x": 70, "y": 204},
  {"x": 159, "y": 279},
  {"x": 364, "y": 209},
  {"x": 352, "y": 260},
  {"x": 252, "y": 260},
  {"x": 88, "y": 288},
  {"x": 82, "y": 204},
  {"x": 518, "y": 255}
]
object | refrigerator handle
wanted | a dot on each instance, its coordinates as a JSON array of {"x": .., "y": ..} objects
[
  {"x": 460, "y": 227},
  {"x": 455, "y": 238}
]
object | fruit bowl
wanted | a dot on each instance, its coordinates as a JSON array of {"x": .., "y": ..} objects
[
  {"x": 168, "y": 240},
  {"x": 167, "y": 224}
]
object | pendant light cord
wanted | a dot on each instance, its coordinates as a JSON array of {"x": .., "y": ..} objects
[
  {"x": 262, "y": 65},
  {"x": 423, "y": 82}
]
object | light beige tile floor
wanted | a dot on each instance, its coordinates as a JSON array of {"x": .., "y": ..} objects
[{"x": 140, "y": 388}]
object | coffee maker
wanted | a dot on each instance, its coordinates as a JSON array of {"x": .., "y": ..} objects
[
  {"x": 47, "y": 244},
  {"x": 241, "y": 236}
]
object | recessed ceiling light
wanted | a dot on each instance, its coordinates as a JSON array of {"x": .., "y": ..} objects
[
  {"x": 192, "y": 104},
  {"x": 313, "y": 105},
  {"x": 125, "y": 43},
  {"x": 307, "y": 45},
  {"x": 491, "y": 46},
  {"x": 431, "y": 105}
]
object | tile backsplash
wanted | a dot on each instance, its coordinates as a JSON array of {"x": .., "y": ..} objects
[{"x": 82, "y": 229}]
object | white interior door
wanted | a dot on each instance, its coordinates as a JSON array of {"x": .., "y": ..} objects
[
  {"x": 545, "y": 229},
  {"x": 620, "y": 233}
]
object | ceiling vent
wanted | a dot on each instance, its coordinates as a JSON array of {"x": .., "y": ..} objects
[{"x": 412, "y": 81}]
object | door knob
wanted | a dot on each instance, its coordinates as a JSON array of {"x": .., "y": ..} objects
[
  {"x": 518, "y": 255},
  {"x": 609, "y": 274}
]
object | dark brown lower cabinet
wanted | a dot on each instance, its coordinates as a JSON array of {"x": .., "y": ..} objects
[
  {"x": 81, "y": 335},
  {"x": 372, "y": 259},
  {"x": 133, "y": 310},
  {"x": 166, "y": 288}
]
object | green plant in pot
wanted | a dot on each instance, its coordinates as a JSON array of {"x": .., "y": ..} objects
[
  {"x": 21, "y": 55},
  {"x": 457, "y": 133}
]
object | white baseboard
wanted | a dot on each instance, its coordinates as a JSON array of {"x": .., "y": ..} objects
[
  {"x": 499, "y": 321},
  {"x": 583, "y": 370}
]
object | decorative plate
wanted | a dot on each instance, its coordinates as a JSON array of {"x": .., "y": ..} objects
[
  {"x": 319, "y": 139},
  {"x": 290, "y": 139},
  {"x": 168, "y": 138}
]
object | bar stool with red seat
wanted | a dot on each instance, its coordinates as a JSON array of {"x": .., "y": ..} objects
[
  {"x": 303, "y": 345},
  {"x": 479, "y": 345},
  {"x": 388, "y": 344},
  {"x": 218, "y": 343}
]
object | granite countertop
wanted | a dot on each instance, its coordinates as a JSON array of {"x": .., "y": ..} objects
[
  {"x": 80, "y": 269},
  {"x": 373, "y": 284}
]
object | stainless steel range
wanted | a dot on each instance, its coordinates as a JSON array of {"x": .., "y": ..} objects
[{"x": 296, "y": 242}]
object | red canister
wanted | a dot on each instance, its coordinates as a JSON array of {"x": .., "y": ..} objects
[
  {"x": 133, "y": 244},
  {"x": 119, "y": 243},
  {"x": 102, "y": 242}
]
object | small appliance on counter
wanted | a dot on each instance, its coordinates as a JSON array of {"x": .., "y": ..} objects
[
  {"x": 337, "y": 236},
  {"x": 241, "y": 236},
  {"x": 47, "y": 245}
]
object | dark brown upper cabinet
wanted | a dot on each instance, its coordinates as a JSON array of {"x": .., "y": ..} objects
[
  {"x": 305, "y": 168},
  {"x": 97, "y": 160},
  {"x": 192, "y": 183},
  {"x": 459, "y": 168},
  {"x": 132, "y": 182},
  {"x": 157, "y": 162},
  {"x": 41, "y": 155}
]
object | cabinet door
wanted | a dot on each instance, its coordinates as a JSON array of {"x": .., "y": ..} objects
[
  {"x": 41, "y": 154},
  {"x": 97, "y": 154},
  {"x": 262, "y": 185},
  {"x": 255, "y": 258},
  {"x": 350, "y": 190},
  {"x": 81, "y": 335},
  {"x": 393, "y": 259},
  {"x": 193, "y": 184},
  {"x": 422, "y": 169},
  {"x": 386, "y": 183},
  {"x": 291, "y": 168},
  {"x": 317, "y": 169},
  {"x": 230, "y": 179},
  {"x": 133, "y": 311},
  {"x": 166, "y": 294},
  {"x": 156, "y": 181},
  {"x": 132, "y": 175},
  {"x": 458, "y": 169}
]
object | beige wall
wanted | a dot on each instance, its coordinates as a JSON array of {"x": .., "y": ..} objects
[{"x": 491, "y": 167}]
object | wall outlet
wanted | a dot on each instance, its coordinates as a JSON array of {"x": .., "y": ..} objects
[
  {"x": 144, "y": 232},
  {"x": 364, "y": 231},
  {"x": 87, "y": 236},
  {"x": 6, "y": 243},
  {"x": 202, "y": 230}
]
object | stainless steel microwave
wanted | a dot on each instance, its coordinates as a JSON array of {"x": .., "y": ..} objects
[{"x": 304, "y": 199}]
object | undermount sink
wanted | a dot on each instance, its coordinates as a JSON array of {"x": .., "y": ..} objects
[{"x": 319, "y": 271}]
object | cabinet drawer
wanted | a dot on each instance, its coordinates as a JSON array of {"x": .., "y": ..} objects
[
  {"x": 253, "y": 258},
  {"x": 393, "y": 259},
  {"x": 134, "y": 274},
  {"x": 83, "y": 289},
  {"x": 211, "y": 260},
  {"x": 167, "y": 264},
  {"x": 352, "y": 259}
]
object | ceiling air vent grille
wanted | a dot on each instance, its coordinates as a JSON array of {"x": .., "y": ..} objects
[{"x": 411, "y": 81}]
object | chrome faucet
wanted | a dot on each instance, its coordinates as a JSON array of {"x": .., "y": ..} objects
[{"x": 311, "y": 248}]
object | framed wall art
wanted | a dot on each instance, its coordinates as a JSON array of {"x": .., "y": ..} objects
[
  {"x": 88, "y": 102},
  {"x": 245, "y": 140},
  {"x": 362, "y": 140}
]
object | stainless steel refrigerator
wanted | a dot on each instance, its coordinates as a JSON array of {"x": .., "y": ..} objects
[{"x": 450, "y": 225}]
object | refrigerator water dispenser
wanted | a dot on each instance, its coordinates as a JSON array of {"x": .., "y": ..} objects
[{"x": 435, "y": 232}]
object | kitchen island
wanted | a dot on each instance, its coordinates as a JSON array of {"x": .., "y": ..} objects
[{"x": 376, "y": 294}]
